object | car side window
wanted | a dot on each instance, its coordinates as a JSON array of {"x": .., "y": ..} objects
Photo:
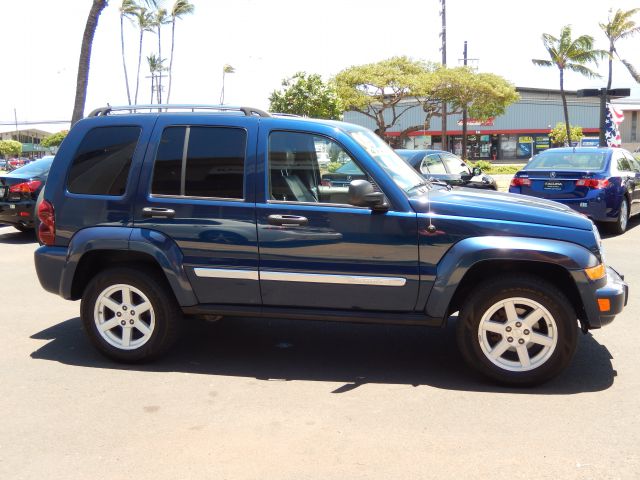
[
  {"x": 455, "y": 165},
  {"x": 623, "y": 165},
  {"x": 200, "y": 162},
  {"x": 294, "y": 170},
  {"x": 432, "y": 164},
  {"x": 632, "y": 162},
  {"x": 101, "y": 164}
]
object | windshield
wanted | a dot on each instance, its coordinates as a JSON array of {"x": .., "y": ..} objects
[
  {"x": 568, "y": 161},
  {"x": 400, "y": 171},
  {"x": 35, "y": 169}
]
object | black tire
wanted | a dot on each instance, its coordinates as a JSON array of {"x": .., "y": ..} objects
[
  {"x": 471, "y": 341},
  {"x": 23, "y": 228},
  {"x": 620, "y": 225},
  {"x": 165, "y": 312}
]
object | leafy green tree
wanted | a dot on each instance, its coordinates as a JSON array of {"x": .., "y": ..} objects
[
  {"x": 10, "y": 148},
  {"x": 54, "y": 139},
  {"x": 82, "y": 79},
  {"x": 376, "y": 88},
  {"x": 567, "y": 53},
  {"x": 180, "y": 9},
  {"x": 307, "y": 95},
  {"x": 619, "y": 27},
  {"x": 559, "y": 136}
]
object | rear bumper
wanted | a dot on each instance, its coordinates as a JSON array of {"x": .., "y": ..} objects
[
  {"x": 17, "y": 213},
  {"x": 50, "y": 263},
  {"x": 594, "y": 208},
  {"x": 603, "y": 302}
]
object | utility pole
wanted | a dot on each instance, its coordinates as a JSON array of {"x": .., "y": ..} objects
[
  {"x": 15, "y": 117},
  {"x": 464, "y": 111},
  {"x": 443, "y": 35}
]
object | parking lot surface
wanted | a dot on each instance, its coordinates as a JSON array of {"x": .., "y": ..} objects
[{"x": 260, "y": 399}]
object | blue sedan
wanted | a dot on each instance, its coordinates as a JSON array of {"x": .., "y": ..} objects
[{"x": 602, "y": 183}]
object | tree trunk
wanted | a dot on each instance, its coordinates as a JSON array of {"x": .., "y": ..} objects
[
  {"x": 564, "y": 106},
  {"x": 124, "y": 62},
  {"x": 85, "y": 59},
  {"x": 611, "y": 49},
  {"x": 152, "y": 85},
  {"x": 159, "y": 79},
  {"x": 464, "y": 133},
  {"x": 139, "y": 62},
  {"x": 173, "y": 36}
]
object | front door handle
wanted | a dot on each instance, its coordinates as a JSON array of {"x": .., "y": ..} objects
[
  {"x": 156, "y": 212},
  {"x": 287, "y": 220}
]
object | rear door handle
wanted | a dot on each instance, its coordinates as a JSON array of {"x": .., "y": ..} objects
[
  {"x": 155, "y": 212},
  {"x": 287, "y": 220}
]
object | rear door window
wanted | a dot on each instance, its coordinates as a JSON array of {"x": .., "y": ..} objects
[
  {"x": 200, "y": 162},
  {"x": 103, "y": 160},
  {"x": 455, "y": 164}
]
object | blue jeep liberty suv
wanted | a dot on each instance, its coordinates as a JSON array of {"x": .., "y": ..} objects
[{"x": 154, "y": 213}]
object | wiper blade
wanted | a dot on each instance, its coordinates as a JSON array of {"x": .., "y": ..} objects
[{"x": 433, "y": 181}]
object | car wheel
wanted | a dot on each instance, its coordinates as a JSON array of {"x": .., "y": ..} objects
[
  {"x": 23, "y": 228},
  {"x": 130, "y": 315},
  {"x": 620, "y": 225},
  {"x": 518, "y": 330}
]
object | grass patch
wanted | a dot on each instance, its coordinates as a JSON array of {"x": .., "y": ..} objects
[{"x": 491, "y": 169}]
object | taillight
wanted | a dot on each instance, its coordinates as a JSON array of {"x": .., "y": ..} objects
[
  {"x": 47, "y": 228},
  {"x": 592, "y": 183},
  {"x": 25, "y": 187},
  {"x": 520, "y": 182}
]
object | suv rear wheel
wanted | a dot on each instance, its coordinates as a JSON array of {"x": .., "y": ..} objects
[
  {"x": 129, "y": 315},
  {"x": 518, "y": 330}
]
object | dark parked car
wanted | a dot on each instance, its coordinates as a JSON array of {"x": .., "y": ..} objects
[
  {"x": 601, "y": 183},
  {"x": 447, "y": 167},
  {"x": 19, "y": 191},
  {"x": 210, "y": 212}
]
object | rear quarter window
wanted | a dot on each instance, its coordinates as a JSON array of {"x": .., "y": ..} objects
[{"x": 103, "y": 160}]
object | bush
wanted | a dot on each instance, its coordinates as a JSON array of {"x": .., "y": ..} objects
[
  {"x": 483, "y": 165},
  {"x": 333, "y": 166}
]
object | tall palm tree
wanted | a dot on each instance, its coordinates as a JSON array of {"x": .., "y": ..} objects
[
  {"x": 85, "y": 59},
  {"x": 156, "y": 68},
  {"x": 570, "y": 54},
  {"x": 161, "y": 18},
  {"x": 226, "y": 69},
  {"x": 127, "y": 10},
  {"x": 619, "y": 27},
  {"x": 144, "y": 20},
  {"x": 179, "y": 10}
]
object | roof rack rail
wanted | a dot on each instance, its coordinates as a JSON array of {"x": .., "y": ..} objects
[{"x": 248, "y": 111}]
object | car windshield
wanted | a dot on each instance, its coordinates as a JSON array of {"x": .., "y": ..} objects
[
  {"x": 34, "y": 169},
  {"x": 400, "y": 171},
  {"x": 568, "y": 161}
]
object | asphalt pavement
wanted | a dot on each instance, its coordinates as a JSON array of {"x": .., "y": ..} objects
[{"x": 259, "y": 399}]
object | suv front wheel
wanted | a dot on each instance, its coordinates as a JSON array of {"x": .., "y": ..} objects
[
  {"x": 129, "y": 315},
  {"x": 518, "y": 330}
]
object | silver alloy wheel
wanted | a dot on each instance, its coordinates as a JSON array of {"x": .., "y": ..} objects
[
  {"x": 517, "y": 334},
  {"x": 124, "y": 317},
  {"x": 624, "y": 214}
]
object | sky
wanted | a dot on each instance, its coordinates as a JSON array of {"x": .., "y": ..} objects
[{"x": 266, "y": 41}]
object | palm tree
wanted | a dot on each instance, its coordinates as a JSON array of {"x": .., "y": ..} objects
[
  {"x": 156, "y": 68},
  {"x": 226, "y": 69},
  {"x": 144, "y": 20},
  {"x": 618, "y": 28},
  {"x": 85, "y": 59},
  {"x": 161, "y": 18},
  {"x": 180, "y": 9},
  {"x": 569, "y": 54},
  {"x": 127, "y": 10}
]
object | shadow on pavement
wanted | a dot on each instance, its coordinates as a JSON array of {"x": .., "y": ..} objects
[
  {"x": 321, "y": 351},
  {"x": 10, "y": 235}
]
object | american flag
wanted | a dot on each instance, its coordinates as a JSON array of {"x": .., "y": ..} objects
[{"x": 611, "y": 131}]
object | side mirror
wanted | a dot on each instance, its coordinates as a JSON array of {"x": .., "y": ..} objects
[
  {"x": 362, "y": 194},
  {"x": 476, "y": 171}
]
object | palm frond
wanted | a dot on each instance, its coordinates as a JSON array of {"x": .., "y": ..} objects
[
  {"x": 543, "y": 63},
  {"x": 582, "y": 70}
]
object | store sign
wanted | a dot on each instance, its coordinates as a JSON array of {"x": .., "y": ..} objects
[
  {"x": 542, "y": 143},
  {"x": 525, "y": 139},
  {"x": 474, "y": 122}
]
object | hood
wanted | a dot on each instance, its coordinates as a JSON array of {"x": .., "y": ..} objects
[{"x": 463, "y": 202}]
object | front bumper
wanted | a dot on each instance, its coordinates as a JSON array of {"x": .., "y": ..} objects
[{"x": 605, "y": 300}]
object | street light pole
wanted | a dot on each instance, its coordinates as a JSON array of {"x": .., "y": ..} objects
[
  {"x": 604, "y": 94},
  {"x": 464, "y": 110},
  {"x": 443, "y": 34}
]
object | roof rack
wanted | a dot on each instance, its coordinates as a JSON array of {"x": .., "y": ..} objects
[{"x": 248, "y": 111}]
